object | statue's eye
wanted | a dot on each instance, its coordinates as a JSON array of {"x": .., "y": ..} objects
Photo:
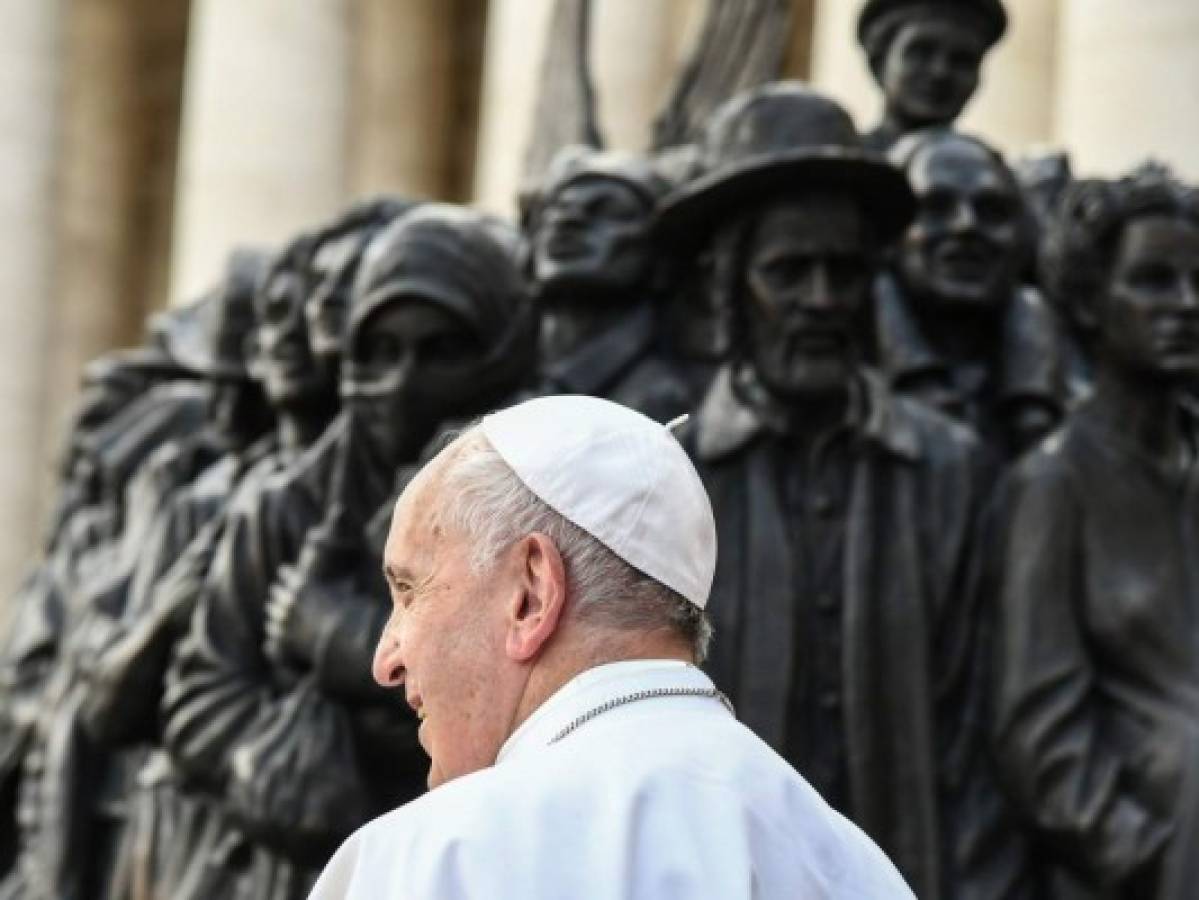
[{"x": 379, "y": 350}]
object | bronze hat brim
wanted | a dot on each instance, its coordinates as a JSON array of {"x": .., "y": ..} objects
[{"x": 693, "y": 210}]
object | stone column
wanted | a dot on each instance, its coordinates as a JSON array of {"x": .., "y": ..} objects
[
  {"x": 514, "y": 46},
  {"x": 30, "y": 45},
  {"x": 839, "y": 66},
  {"x": 637, "y": 49},
  {"x": 1129, "y": 84},
  {"x": 264, "y": 136},
  {"x": 1014, "y": 106}
]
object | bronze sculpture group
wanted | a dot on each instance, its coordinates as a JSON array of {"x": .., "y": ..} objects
[{"x": 948, "y": 429}]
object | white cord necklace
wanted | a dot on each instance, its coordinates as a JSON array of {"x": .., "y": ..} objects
[{"x": 647, "y": 694}]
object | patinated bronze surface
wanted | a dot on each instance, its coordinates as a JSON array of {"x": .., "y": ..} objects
[
  {"x": 926, "y": 56},
  {"x": 1097, "y": 685},
  {"x": 999, "y": 685},
  {"x": 850, "y": 509},
  {"x": 598, "y": 283},
  {"x": 954, "y": 324}
]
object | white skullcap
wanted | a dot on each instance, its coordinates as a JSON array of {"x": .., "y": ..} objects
[{"x": 619, "y": 476}]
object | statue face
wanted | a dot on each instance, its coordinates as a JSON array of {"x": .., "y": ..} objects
[
  {"x": 930, "y": 70},
  {"x": 1149, "y": 320},
  {"x": 592, "y": 239},
  {"x": 962, "y": 250},
  {"x": 408, "y": 367},
  {"x": 331, "y": 275},
  {"x": 284, "y": 362},
  {"x": 807, "y": 277}
]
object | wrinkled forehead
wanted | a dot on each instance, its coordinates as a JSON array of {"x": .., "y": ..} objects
[{"x": 811, "y": 224}]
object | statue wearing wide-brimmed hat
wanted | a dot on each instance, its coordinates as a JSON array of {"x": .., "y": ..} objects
[
  {"x": 926, "y": 56},
  {"x": 845, "y": 511}
]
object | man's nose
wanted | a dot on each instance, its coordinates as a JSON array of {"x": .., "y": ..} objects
[
  {"x": 964, "y": 218},
  {"x": 388, "y": 667},
  {"x": 940, "y": 65},
  {"x": 1189, "y": 293},
  {"x": 817, "y": 291}
]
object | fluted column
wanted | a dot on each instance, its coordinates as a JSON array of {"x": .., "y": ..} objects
[
  {"x": 264, "y": 136},
  {"x": 839, "y": 66},
  {"x": 637, "y": 50},
  {"x": 1129, "y": 84},
  {"x": 29, "y": 52},
  {"x": 514, "y": 46}
]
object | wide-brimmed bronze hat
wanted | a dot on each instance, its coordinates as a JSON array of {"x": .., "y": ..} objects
[
  {"x": 988, "y": 16},
  {"x": 778, "y": 138}
]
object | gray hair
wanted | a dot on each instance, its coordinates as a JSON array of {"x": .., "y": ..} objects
[{"x": 481, "y": 497}]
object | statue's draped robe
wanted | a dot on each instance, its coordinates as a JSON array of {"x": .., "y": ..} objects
[
  {"x": 1096, "y": 692},
  {"x": 907, "y": 680}
]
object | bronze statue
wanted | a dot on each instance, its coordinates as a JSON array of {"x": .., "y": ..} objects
[
  {"x": 1096, "y": 698},
  {"x": 843, "y": 512},
  {"x": 925, "y": 56},
  {"x": 597, "y": 279},
  {"x": 954, "y": 325},
  {"x": 71, "y": 806},
  {"x": 439, "y": 326}
]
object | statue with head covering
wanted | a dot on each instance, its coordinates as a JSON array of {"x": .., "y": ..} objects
[
  {"x": 843, "y": 512},
  {"x": 270, "y": 695},
  {"x": 598, "y": 281},
  {"x": 926, "y": 56},
  {"x": 72, "y": 793}
]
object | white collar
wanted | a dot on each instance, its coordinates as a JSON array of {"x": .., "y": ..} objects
[{"x": 592, "y": 687}]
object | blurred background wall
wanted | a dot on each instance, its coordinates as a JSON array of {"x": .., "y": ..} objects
[{"x": 140, "y": 140}]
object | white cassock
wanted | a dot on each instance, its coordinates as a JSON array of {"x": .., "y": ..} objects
[{"x": 662, "y": 798}]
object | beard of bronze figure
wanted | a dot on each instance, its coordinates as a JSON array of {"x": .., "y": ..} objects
[
  {"x": 929, "y": 71},
  {"x": 962, "y": 252},
  {"x": 806, "y": 277},
  {"x": 591, "y": 243},
  {"x": 1147, "y": 323}
]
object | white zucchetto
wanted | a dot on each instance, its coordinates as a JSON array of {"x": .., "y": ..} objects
[{"x": 621, "y": 477}]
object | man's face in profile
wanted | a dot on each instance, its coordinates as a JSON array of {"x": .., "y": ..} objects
[
  {"x": 931, "y": 69},
  {"x": 444, "y": 641},
  {"x": 592, "y": 238}
]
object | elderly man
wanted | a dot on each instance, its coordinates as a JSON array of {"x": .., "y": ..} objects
[
  {"x": 926, "y": 56},
  {"x": 847, "y": 510},
  {"x": 548, "y": 574}
]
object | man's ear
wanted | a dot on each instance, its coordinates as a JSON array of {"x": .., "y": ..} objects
[{"x": 536, "y": 609}]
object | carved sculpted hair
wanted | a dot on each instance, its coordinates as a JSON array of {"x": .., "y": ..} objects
[
  {"x": 1081, "y": 240},
  {"x": 484, "y": 499}
]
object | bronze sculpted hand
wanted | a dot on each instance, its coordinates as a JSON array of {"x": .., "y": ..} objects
[{"x": 298, "y": 610}]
